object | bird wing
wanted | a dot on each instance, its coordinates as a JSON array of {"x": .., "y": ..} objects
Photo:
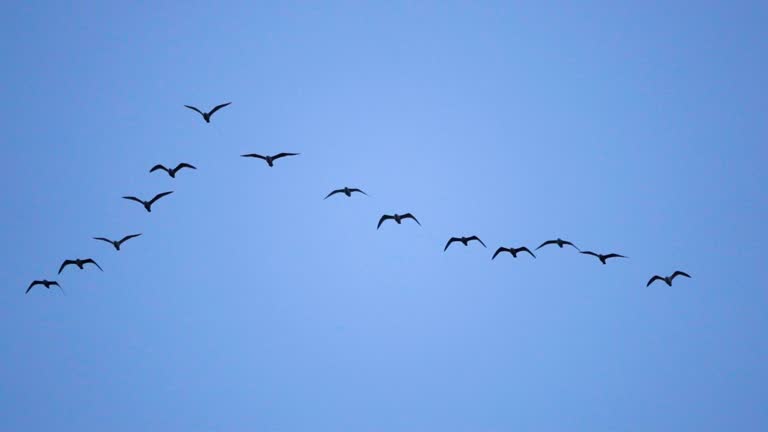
[
  {"x": 158, "y": 196},
  {"x": 613, "y": 255},
  {"x": 478, "y": 239},
  {"x": 679, "y": 273},
  {"x": 183, "y": 165},
  {"x": 132, "y": 198},
  {"x": 64, "y": 264},
  {"x": 410, "y": 216},
  {"x": 499, "y": 250},
  {"x": 451, "y": 240},
  {"x": 653, "y": 279},
  {"x": 57, "y": 284},
  {"x": 37, "y": 282},
  {"x": 280, "y": 155},
  {"x": 195, "y": 109},
  {"x": 357, "y": 190},
  {"x": 525, "y": 249},
  {"x": 158, "y": 167},
  {"x": 571, "y": 244},
  {"x": 90, "y": 260},
  {"x": 254, "y": 155},
  {"x": 218, "y": 107},
  {"x": 333, "y": 192},
  {"x": 546, "y": 243},
  {"x": 590, "y": 253},
  {"x": 128, "y": 237},
  {"x": 383, "y": 218}
]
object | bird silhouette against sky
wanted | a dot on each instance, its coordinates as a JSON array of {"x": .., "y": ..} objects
[
  {"x": 397, "y": 218},
  {"x": 80, "y": 263},
  {"x": 207, "y": 115},
  {"x": 148, "y": 204},
  {"x": 117, "y": 243},
  {"x": 269, "y": 159},
  {"x": 667, "y": 279},
  {"x": 513, "y": 251},
  {"x": 46, "y": 283},
  {"x": 560, "y": 242},
  {"x": 603, "y": 258},
  {"x": 172, "y": 172},
  {"x": 346, "y": 191},
  {"x": 463, "y": 240}
]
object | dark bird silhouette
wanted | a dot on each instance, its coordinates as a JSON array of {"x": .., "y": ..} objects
[
  {"x": 602, "y": 258},
  {"x": 117, "y": 243},
  {"x": 667, "y": 279},
  {"x": 397, "y": 218},
  {"x": 46, "y": 283},
  {"x": 513, "y": 251},
  {"x": 270, "y": 159},
  {"x": 560, "y": 242},
  {"x": 463, "y": 240},
  {"x": 172, "y": 172},
  {"x": 148, "y": 204},
  {"x": 207, "y": 115},
  {"x": 346, "y": 191},
  {"x": 79, "y": 263}
]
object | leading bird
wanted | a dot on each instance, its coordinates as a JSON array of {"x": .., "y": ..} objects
[
  {"x": 207, "y": 115},
  {"x": 667, "y": 279}
]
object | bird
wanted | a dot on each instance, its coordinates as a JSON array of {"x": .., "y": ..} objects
[
  {"x": 397, "y": 218},
  {"x": 560, "y": 242},
  {"x": 513, "y": 251},
  {"x": 207, "y": 115},
  {"x": 463, "y": 240},
  {"x": 117, "y": 243},
  {"x": 79, "y": 263},
  {"x": 346, "y": 191},
  {"x": 602, "y": 258},
  {"x": 668, "y": 279},
  {"x": 172, "y": 172},
  {"x": 148, "y": 204},
  {"x": 270, "y": 159},
  {"x": 46, "y": 283}
]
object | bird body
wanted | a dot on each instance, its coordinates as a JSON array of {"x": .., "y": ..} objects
[
  {"x": 207, "y": 115},
  {"x": 269, "y": 159},
  {"x": 80, "y": 263},
  {"x": 172, "y": 171},
  {"x": 667, "y": 279},
  {"x": 513, "y": 251},
  {"x": 397, "y": 218},
  {"x": 603, "y": 258},
  {"x": 463, "y": 240},
  {"x": 559, "y": 242},
  {"x": 346, "y": 191},
  {"x": 148, "y": 204},
  {"x": 46, "y": 283},
  {"x": 117, "y": 243}
]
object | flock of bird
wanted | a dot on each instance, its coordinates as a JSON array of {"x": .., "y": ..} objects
[{"x": 398, "y": 218}]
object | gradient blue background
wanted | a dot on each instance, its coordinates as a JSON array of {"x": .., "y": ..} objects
[{"x": 251, "y": 304}]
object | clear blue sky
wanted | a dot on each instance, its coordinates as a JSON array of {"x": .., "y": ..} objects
[{"x": 250, "y": 303}]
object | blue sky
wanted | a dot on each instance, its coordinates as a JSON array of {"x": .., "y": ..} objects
[{"x": 250, "y": 303}]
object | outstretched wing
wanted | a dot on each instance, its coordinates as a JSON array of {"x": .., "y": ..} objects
[
  {"x": 158, "y": 196},
  {"x": 57, "y": 284},
  {"x": 525, "y": 249},
  {"x": 565, "y": 242},
  {"x": 158, "y": 167},
  {"x": 590, "y": 253},
  {"x": 451, "y": 240},
  {"x": 280, "y": 155},
  {"x": 478, "y": 239},
  {"x": 195, "y": 109},
  {"x": 653, "y": 279},
  {"x": 254, "y": 155},
  {"x": 103, "y": 239},
  {"x": 679, "y": 273},
  {"x": 357, "y": 190},
  {"x": 183, "y": 165},
  {"x": 499, "y": 250},
  {"x": 383, "y": 218},
  {"x": 37, "y": 282},
  {"x": 128, "y": 237},
  {"x": 333, "y": 192},
  {"x": 64, "y": 264},
  {"x": 548, "y": 242},
  {"x": 613, "y": 255},
  {"x": 410, "y": 216},
  {"x": 91, "y": 261},
  {"x": 132, "y": 198},
  {"x": 218, "y": 107}
]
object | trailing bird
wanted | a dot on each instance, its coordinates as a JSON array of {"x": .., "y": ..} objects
[
  {"x": 560, "y": 242},
  {"x": 172, "y": 172},
  {"x": 79, "y": 263},
  {"x": 602, "y": 258},
  {"x": 346, "y": 191},
  {"x": 148, "y": 204},
  {"x": 46, "y": 283},
  {"x": 463, "y": 240},
  {"x": 270, "y": 159},
  {"x": 117, "y": 243},
  {"x": 397, "y": 218},
  {"x": 207, "y": 115},
  {"x": 513, "y": 251},
  {"x": 668, "y": 279}
]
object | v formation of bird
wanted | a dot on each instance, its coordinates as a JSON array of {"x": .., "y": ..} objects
[{"x": 81, "y": 263}]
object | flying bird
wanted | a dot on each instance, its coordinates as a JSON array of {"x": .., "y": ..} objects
[
  {"x": 397, "y": 218},
  {"x": 46, "y": 283},
  {"x": 207, "y": 115},
  {"x": 270, "y": 159},
  {"x": 602, "y": 258},
  {"x": 117, "y": 243},
  {"x": 463, "y": 240},
  {"x": 513, "y": 251},
  {"x": 346, "y": 191},
  {"x": 148, "y": 204},
  {"x": 667, "y": 279},
  {"x": 79, "y": 263},
  {"x": 560, "y": 242},
  {"x": 172, "y": 172}
]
